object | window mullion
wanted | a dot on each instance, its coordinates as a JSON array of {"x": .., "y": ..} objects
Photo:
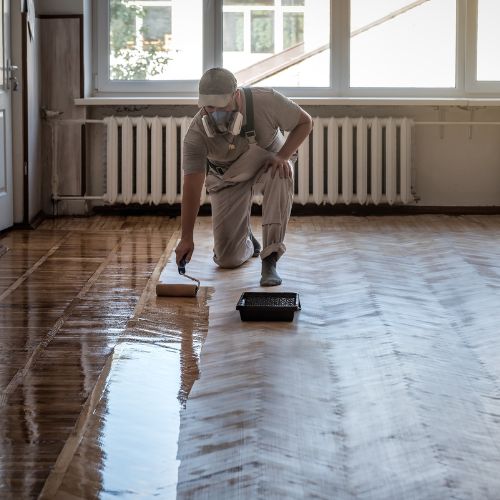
[
  {"x": 470, "y": 36},
  {"x": 278, "y": 28},
  {"x": 102, "y": 42},
  {"x": 461, "y": 64},
  {"x": 340, "y": 42},
  {"x": 212, "y": 33}
]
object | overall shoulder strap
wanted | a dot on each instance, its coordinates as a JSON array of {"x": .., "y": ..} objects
[{"x": 249, "y": 129}]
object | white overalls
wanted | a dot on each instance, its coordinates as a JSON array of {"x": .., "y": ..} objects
[
  {"x": 231, "y": 200},
  {"x": 231, "y": 193}
]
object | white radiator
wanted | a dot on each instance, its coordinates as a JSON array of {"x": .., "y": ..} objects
[
  {"x": 345, "y": 160},
  {"x": 143, "y": 159}
]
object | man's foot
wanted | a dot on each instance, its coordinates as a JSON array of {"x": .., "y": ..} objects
[
  {"x": 269, "y": 275},
  {"x": 256, "y": 245}
]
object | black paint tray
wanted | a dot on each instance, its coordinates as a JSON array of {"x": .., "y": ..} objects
[{"x": 263, "y": 306}]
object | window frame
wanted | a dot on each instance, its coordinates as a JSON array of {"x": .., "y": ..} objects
[
  {"x": 466, "y": 83},
  {"x": 475, "y": 86},
  {"x": 103, "y": 85}
]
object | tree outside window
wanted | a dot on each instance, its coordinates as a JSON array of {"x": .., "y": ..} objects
[
  {"x": 232, "y": 26},
  {"x": 138, "y": 40},
  {"x": 262, "y": 31},
  {"x": 293, "y": 29}
]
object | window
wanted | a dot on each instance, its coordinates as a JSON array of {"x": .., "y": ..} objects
[
  {"x": 265, "y": 42},
  {"x": 284, "y": 43},
  {"x": 413, "y": 48},
  {"x": 148, "y": 41},
  {"x": 488, "y": 40},
  {"x": 397, "y": 43}
]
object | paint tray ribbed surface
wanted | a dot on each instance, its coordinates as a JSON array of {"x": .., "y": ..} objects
[{"x": 264, "y": 306}]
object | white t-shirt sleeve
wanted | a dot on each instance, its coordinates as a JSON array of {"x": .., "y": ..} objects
[
  {"x": 194, "y": 157},
  {"x": 285, "y": 111}
]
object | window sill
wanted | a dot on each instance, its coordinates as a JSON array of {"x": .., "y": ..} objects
[{"x": 303, "y": 101}]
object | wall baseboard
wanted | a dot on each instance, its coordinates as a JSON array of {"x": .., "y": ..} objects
[
  {"x": 364, "y": 210},
  {"x": 310, "y": 209},
  {"x": 37, "y": 219}
]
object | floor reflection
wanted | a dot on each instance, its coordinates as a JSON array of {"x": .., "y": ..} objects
[
  {"x": 66, "y": 298},
  {"x": 129, "y": 448},
  {"x": 139, "y": 421}
]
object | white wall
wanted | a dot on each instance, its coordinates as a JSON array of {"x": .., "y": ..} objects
[{"x": 456, "y": 170}]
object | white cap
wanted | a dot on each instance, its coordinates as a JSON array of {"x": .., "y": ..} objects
[{"x": 216, "y": 88}]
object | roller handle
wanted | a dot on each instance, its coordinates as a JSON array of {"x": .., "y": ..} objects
[{"x": 182, "y": 266}]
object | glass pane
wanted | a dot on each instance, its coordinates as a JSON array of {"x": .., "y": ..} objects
[
  {"x": 284, "y": 44},
  {"x": 157, "y": 26},
  {"x": 262, "y": 31},
  {"x": 293, "y": 29},
  {"x": 155, "y": 39},
  {"x": 232, "y": 24},
  {"x": 488, "y": 40},
  {"x": 403, "y": 43}
]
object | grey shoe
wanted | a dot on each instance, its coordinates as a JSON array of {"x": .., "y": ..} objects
[
  {"x": 256, "y": 245},
  {"x": 270, "y": 277}
]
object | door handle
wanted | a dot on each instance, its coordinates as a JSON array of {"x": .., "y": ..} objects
[{"x": 12, "y": 83}]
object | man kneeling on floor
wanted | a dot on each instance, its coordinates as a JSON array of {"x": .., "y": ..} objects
[{"x": 236, "y": 147}]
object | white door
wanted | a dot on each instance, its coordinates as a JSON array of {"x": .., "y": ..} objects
[{"x": 7, "y": 81}]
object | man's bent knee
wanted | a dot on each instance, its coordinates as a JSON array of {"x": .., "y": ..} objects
[
  {"x": 229, "y": 261},
  {"x": 231, "y": 254}
]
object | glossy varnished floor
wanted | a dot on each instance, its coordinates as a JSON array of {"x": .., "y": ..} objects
[{"x": 386, "y": 385}]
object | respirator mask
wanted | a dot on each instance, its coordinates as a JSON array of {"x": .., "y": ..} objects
[{"x": 222, "y": 122}]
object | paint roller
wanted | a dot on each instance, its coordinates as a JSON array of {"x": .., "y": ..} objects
[{"x": 173, "y": 284}]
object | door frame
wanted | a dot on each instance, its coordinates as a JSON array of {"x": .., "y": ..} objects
[
  {"x": 7, "y": 198},
  {"x": 25, "y": 128}
]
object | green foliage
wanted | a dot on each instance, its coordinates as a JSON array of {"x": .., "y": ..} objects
[
  {"x": 135, "y": 63},
  {"x": 262, "y": 31},
  {"x": 232, "y": 27},
  {"x": 138, "y": 64},
  {"x": 293, "y": 29},
  {"x": 122, "y": 23}
]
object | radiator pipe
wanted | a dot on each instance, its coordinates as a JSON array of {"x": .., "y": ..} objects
[
  {"x": 57, "y": 197},
  {"x": 468, "y": 123},
  {"x": 456, "y": 123}
]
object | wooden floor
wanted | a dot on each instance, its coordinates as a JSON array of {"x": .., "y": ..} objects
[{"x": 385, "y": 386}]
